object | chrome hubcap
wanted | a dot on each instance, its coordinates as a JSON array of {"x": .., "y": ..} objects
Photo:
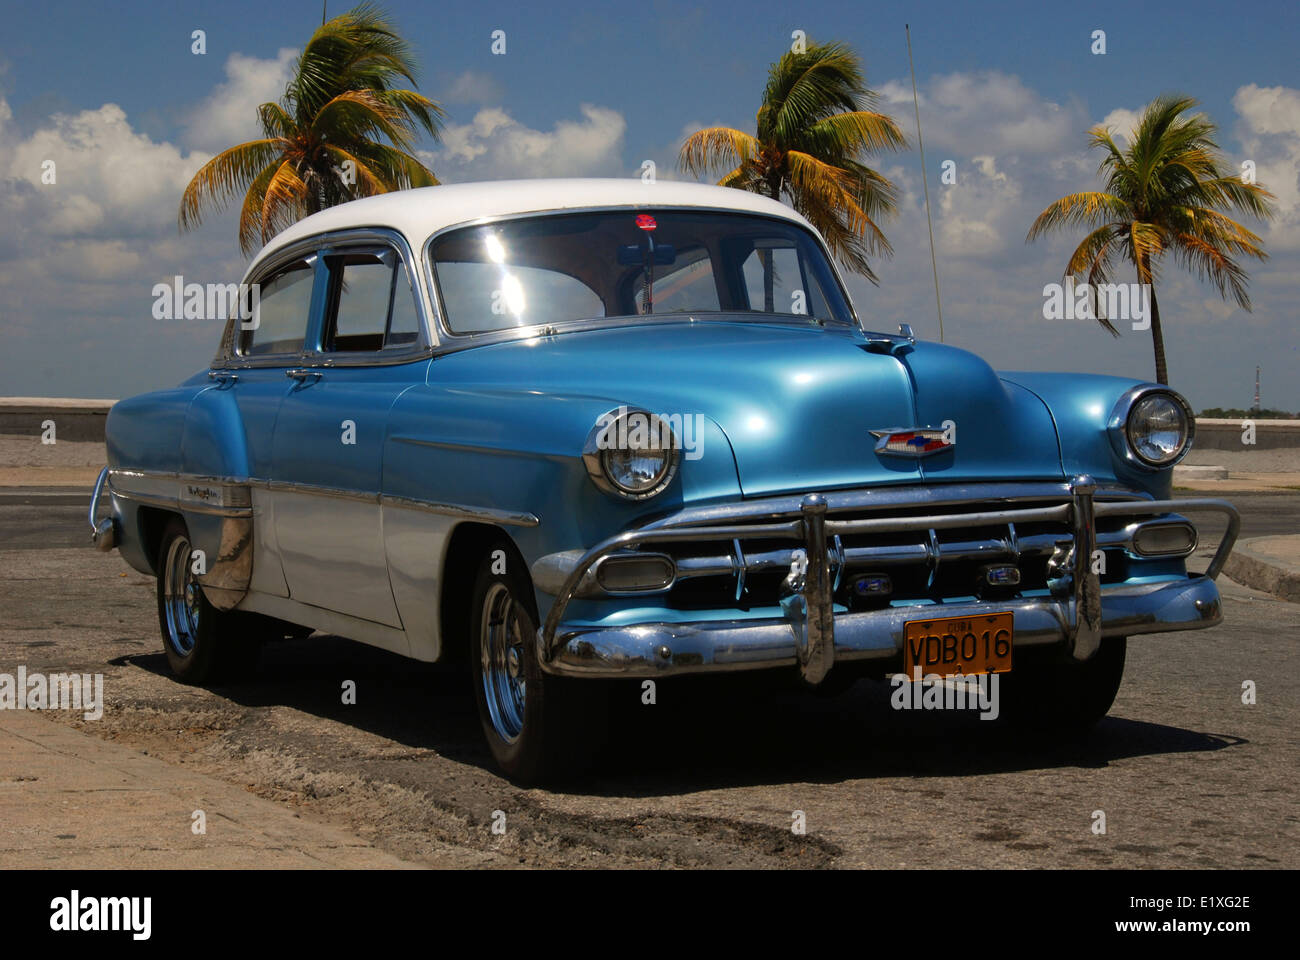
[
  {"x": 505, "y": 629},
  {"x": 180, "y": 598}
]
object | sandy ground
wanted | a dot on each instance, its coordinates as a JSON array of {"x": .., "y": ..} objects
[
  {"x": 713, "y": 773},
  {"x": 26, "y": 462}
]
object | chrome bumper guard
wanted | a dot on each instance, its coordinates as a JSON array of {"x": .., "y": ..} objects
[
  {"x": 103, "y": 533},
  {"x": 810, "y": 634}
]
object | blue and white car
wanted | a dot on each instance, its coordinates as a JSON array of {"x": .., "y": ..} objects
[{"x": 577, "y": 430}]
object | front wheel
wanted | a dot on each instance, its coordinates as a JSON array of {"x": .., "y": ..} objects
[
  {"x": 537, "y": 726},
  {"x": 204, "y": 645},
  {"x": 1057, "y": 695}
]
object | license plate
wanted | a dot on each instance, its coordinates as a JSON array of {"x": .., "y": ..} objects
[{"x": 955, "y": 646}]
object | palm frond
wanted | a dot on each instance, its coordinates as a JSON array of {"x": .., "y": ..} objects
[
  {"x": 224, "y": 176},
  {"x": 1090, "y": 208},
  {"x": 715, "y": 147},
  {"x": 347, "y": 101}
]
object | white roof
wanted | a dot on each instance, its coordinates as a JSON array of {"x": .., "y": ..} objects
[{"x": 421, "y": 212}]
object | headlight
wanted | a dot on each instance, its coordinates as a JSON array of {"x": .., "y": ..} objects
[
  {"x": 631, "y": 454},
  {"x": 1157, "y": 426}
]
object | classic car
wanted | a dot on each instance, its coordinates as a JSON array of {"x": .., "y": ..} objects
[{"x": 570, "y": 432}]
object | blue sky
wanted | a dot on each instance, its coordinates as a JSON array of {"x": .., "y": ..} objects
[{"x": 1008, "y": 92}]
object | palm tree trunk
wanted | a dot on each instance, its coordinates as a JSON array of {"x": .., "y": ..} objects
[
  {"x": 1162, "y": 371},
  {"x": 1157, "y": 336}
]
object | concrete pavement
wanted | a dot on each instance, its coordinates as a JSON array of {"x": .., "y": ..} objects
[
  {"x": 71, "y": 799},
  {"x": 1271, "y": 564}
]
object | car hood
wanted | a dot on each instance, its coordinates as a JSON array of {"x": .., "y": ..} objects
[{"x": 797, "y": 404}]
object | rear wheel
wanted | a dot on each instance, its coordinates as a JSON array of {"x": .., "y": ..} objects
[
  {"x": 1058, "y": 695},
  {"x": 537, "y": 726},
  {"x": 204, "y": 645}
]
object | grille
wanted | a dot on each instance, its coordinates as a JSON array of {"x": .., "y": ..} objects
[{"x": 923, "y": 563}]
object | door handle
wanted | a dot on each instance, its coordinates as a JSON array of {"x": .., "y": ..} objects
[{"x": 301, "y": 374}]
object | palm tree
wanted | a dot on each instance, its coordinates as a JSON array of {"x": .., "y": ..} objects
[
  {"x": 1163, "y": 192},
  {"x": 337, "y": 111},
  {"x": 814, "y": 130}
]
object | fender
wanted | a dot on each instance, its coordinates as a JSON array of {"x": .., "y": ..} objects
[
  {"x": 218, "y": 513},
  {"x": 194, "y": 464}
]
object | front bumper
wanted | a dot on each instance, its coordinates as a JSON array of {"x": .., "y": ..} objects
[
  {"x": 665, "y": 649},
  {"x": 812, "y": 634}
]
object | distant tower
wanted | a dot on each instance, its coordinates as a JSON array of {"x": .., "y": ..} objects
[{"x": 1256, "y": 407}]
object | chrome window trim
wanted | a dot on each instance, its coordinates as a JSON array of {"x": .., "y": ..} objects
[
  {"x": 322, "y": 244},
  {"x": 1117, "y": 425},
  {"x": 449, "y": 342},
  {"x": 227, "y": 357}
]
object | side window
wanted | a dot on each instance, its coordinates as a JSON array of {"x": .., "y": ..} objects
[
  {"x": 788, "y": 289},
  {"x": 280, "y": 313},
  {"x": 372, "y": 305}
]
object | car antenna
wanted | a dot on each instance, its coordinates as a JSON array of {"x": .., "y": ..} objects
[
  {"x": 648, "y": 224},
  {"x": 916, "y": 104}
]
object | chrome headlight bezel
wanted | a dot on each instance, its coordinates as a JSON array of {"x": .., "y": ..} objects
[
  {"x": 596, "y": 455},
  {"x": 1120, "y": 425}
]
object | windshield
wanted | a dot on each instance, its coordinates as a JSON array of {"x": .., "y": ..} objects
[{"x": 558, "y": 268}]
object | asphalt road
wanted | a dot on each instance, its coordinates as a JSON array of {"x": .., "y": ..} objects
[{"x": 713, "y": 773}]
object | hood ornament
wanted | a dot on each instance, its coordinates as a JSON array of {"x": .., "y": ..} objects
[{"x": 912, "y": 442}]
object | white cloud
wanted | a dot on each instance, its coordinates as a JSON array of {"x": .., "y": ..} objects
[
  {"x": 495, "y": 146},
  {"x": 110, "y": 181},
  {"x": 979, "y": 214},
  {"x": 989, "y": 108},
  {"x": 472, "y": 86},
  {"x": 79, "y": 256},
  {"x": 1121, "y": 122},
  {"x": 1269, "y": 128},
  {"x": 228, "y": 115}
]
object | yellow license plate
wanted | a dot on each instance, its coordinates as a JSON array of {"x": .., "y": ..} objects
[{"x": 955, "y": 646}]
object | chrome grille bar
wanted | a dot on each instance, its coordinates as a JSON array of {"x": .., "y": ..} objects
[{"x": 1078, "y": 506}]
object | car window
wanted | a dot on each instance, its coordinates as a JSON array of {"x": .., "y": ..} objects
[
  {"x": 372, "y": 304},
  {"x": 280, "y": 312},
  {"x": 790, "y": 288},
  {"x": 686, "y": 287},
  {"x": 490, "y": 296},
  {"x": 568, "y": 267}
]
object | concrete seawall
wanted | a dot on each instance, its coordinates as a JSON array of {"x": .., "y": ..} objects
[
  {"x": 75, "y": 420},
  {"x": 1229, "y": 434}
]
